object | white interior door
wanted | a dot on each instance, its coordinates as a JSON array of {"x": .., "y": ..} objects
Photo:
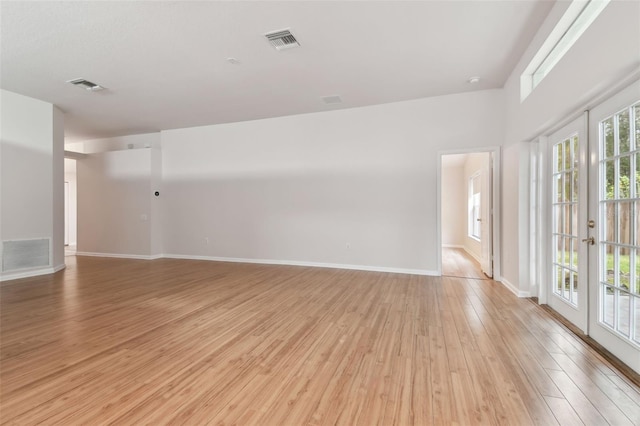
[
  {"x": 486, "y": 231},
  {"x": 567, "y": 239},
  {"x": 614, "y": 206}
]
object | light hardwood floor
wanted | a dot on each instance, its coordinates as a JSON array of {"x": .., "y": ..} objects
[
  {"x": 458, "y": 263},
  {"x": 196, "y": 342}
]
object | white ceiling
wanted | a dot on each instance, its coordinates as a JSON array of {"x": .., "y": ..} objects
[{"x": 164, "y": 63}]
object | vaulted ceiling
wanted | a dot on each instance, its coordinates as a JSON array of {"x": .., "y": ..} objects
[{"x": 165, "y": 64}]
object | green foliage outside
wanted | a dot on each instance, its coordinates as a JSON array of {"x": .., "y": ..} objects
[
  {"x": 624, "y": 140},
  {"x": 624, "y": 270}
]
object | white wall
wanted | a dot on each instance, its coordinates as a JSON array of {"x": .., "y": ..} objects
[
  {"x": 510, "y": 198},
  {"x": 70, "y": 176},
  {"x": 302, "y": 188},
  {"x": 32, "y": 197},
  {"x": 156, "y": 202},
  {"x": 113, "y": 201},
  {"x": 118, "y": 213},
  {"x": 607, "y": 56},
  {"x": 454, "y": 205}
]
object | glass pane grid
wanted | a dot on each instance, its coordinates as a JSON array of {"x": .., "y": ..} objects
[
  {"x": 619, "y": 268},
  {"x": 564, "y": 234}
]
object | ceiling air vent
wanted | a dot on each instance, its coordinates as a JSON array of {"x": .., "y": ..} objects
[
  {"x": 333, "y": 99},
  {"x": 282, "y": 39},
  {"x": 86, "y": 84}
]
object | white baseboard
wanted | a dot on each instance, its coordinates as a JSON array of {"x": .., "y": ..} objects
[
  {"x": 31, "y": 273},
  {"x": 44, "y": 271},
  {"x": 514, "y": 289},
  {"x": 119, "y": 255},
  {"x": 470, "y": 253},
  {"x": 453, "y": 246},
  {"x": 311, "y": 264}
]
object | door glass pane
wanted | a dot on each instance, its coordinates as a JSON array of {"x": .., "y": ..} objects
[
  {"x": 574, "y": 217},
  {"x": 608, "y": 263},
  {"x": 568, "y": 161},
  {"x": 557, "y": 211},
  {"x": 608, "y": 227},
  {"x": 566, "y": 284},
  {"x": 624, "y": 222},
  {"x": 574, "y": 254},
  {"x": 609, "y": 184},
  {"x": 607, "y": 305},
  {"x": 559, "y": 158},
  {"x": 623, "y": 131},
  {"x": 624, "y": 267},
  {"x": 607, "y": 132},
  {"x": 624, "y": 318},
  {"x": 637, "y": 175},
  {"x": 624, "y": 177}
]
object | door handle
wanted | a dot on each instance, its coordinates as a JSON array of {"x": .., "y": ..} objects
[{"x": 591, "y": 241}]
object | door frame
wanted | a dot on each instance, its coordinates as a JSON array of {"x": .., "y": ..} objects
[{"x": 495, "y": 201}]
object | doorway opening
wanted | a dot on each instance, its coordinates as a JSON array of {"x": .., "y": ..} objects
[
  {"x": 466, "y": 226},
  {"x": 70, "y": 207}
]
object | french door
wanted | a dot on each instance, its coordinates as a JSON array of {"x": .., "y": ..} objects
[
  {"x": 614, "y": 203},
  {"x": 594, "y": 238},
  {"x": 568, "y": 160}
]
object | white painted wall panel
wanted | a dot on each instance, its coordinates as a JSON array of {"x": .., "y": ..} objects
[
  {"x": 454, "y": 206},
  {"x": 302, "y": 188},
  {"x": 31, "y": 149},
  {"x": 114, "y": 202}
]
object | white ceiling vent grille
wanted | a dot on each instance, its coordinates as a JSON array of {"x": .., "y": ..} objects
[
  {"x": 333, "y": 99},
  {"x": 86, "y": 84},
  {"x": 282, "y": 39}
]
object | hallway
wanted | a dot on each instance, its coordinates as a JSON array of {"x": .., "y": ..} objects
[{"x": 456, "y": 262}]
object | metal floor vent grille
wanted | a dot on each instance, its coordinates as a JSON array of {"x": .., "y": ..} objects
[{"x": 24, "y": 254}]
